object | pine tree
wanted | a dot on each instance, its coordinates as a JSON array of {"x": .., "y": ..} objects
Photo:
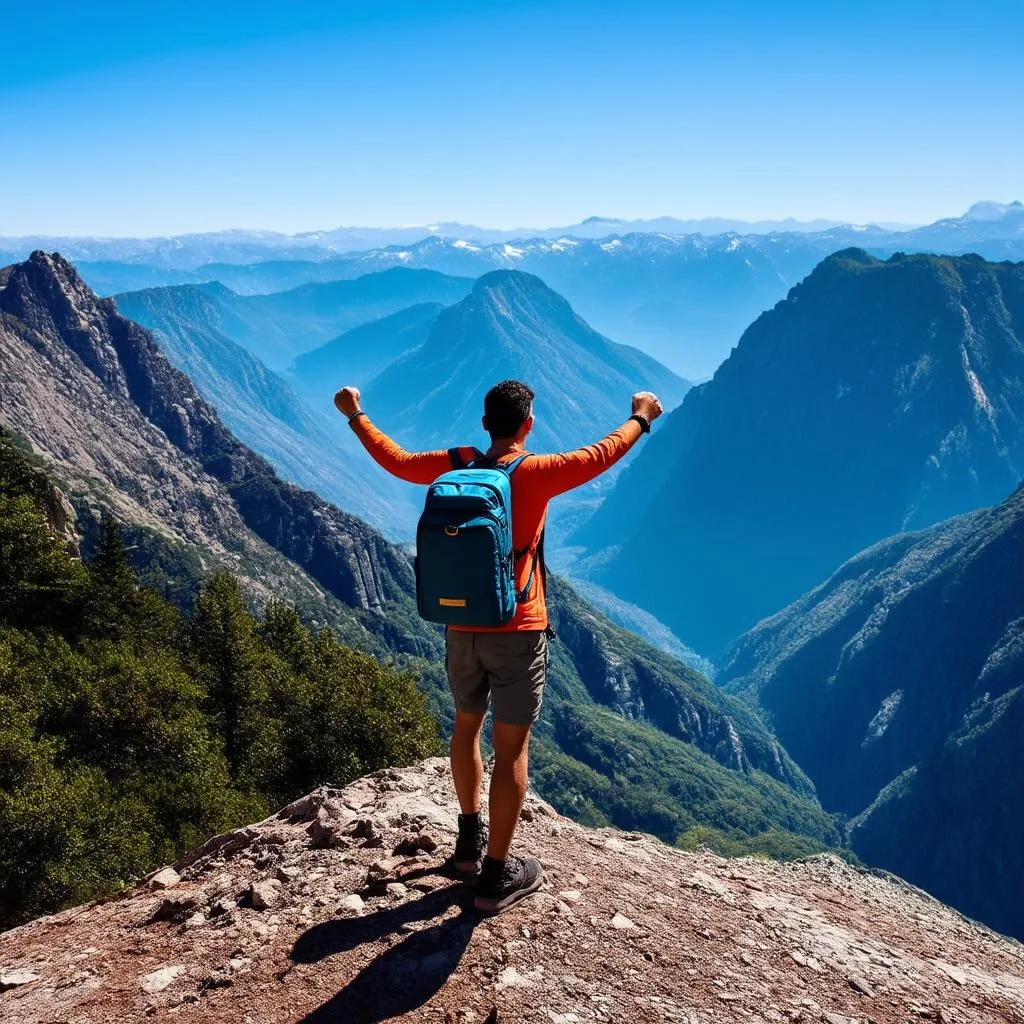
[{"x": 239, "y": 671}]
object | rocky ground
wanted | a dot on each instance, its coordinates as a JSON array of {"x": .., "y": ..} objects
[{"x": 339, "y": 909}]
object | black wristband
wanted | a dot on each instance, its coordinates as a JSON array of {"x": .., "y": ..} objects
[
  {"x": 645, "y": 426},
  {"x": 355, "y": 416}
]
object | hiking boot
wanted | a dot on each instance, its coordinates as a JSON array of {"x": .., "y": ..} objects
[
  {"x": 469, "y": 848},
  {"x": 503, "y": 883}
]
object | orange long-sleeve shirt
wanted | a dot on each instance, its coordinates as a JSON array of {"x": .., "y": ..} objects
[{"x": 537, "y": 480}]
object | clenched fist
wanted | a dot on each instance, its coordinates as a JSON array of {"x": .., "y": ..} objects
[
  {"x": 347, "y": 401},
  {"x": 645, "y": 403}
]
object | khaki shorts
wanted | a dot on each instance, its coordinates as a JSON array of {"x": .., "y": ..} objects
[{"x": 510, "y": 668}]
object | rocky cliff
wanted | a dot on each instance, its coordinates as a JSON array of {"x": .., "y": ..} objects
[
  {"x": 338, "y": 909},
  {"x": 127, "y": 430}
]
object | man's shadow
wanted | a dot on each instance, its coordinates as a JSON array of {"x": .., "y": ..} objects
[{"x": 407, "y": 974}]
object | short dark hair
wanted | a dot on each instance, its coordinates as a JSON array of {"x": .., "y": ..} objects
[{"x": 506, "y": 408}]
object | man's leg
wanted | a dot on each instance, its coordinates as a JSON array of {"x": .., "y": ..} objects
[
  {"x": 508, "y": 785},
  {"x": 517, "y": 667},
  {"x": 468, "y": 681},
  {"x": 467, "y": 765}
]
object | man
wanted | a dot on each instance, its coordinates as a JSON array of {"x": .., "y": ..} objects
[{"x": 507, "y": 664}]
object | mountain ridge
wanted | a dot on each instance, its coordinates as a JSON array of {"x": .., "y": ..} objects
[
  {"x": 281, "y": 325},
  {"x": 909, "y": 659},
  {"x": 877, "y": 396},
  {"x": 310, "y": 447}
]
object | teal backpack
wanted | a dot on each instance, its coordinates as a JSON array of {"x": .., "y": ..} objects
[{"x": 465, "y": 563}]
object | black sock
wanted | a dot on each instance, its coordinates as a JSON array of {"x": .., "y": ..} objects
[
  {"x": 469, "y": 822},
  {"x": 492, "y": 864}
]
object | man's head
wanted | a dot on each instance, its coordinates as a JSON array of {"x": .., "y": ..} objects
[{"x": 508, "y": 411}]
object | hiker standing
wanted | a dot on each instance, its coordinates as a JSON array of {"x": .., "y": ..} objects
[{"x": 483, "y": 577}]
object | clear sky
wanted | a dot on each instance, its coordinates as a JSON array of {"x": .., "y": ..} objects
[{"x": 140, "y": 118}]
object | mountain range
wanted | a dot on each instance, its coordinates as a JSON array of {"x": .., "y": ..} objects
[
  {"x": 189, "y": 251},
  {"x": 684, "y": 298},
  {"x": 878, "y": 396},
  {"x": 424, "y": 372},
  {"x": 240, "y": 246},
  {"x": 629, "y": 735},
  {"x": 898, "y": 685}
]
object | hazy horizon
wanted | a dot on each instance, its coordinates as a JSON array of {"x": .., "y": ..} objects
[{"x": 434, "y": 226}]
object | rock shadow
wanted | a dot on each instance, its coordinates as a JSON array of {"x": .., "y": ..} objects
[{"x": 404, "y": 976}]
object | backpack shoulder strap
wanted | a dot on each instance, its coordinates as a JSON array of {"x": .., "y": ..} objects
[
  {"x": 538, "y": 561},
  {"x": 459, "y": 460},
  {"x": 511, "y": 467}
]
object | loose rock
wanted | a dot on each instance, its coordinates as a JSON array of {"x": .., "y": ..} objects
[
  {"x": 157, "y": 981},
  {"x": 15, "y": 979},
  {"x": 352, "y": 904},
  {"x": 165, "y": 878},
  {"x": 265, "y": 895},
  {"x": 861, "y": 986}
]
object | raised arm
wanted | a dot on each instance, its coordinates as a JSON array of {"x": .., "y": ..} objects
[
  {"x": 559, "y": 473},
  {"x": 413, "y": 467}
]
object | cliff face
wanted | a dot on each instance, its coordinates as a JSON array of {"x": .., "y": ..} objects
[
  {"x": 898, "y": 686},
  {"x": 338, "y": 909},
  {"x": 94, "y": 392},
  {"x": 878, "y": 397}
]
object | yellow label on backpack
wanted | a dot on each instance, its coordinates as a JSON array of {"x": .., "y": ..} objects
[{"x": 452, "y": 602}]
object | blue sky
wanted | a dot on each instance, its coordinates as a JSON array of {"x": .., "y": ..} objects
[{"x": 126, "y": 119}]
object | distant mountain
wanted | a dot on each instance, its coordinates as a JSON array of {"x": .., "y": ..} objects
[
  {"x": 278, "y": 327},
  {"x": 898, "y": 685},
  {"x": 513, "y": 325},
  {"x": 603, "y": 227},
  {"x": 122, "y": 430},
  {"x": 310, "y": 446},
  {"x": 682, "y": 299},
  {"x": 683, "y": 291},
  {"x": 360, "y": 353},
  {"x": 878, "y": 396},
  {"x": 187, "y": 252},
  {"x": 989, "y": 226}
]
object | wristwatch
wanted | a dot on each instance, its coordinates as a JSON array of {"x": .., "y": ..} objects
[
  {"x": 645, "y": 425},
  {"x": 356, "y": 416}
]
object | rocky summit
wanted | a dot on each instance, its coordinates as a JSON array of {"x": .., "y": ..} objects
[{"x": 338, "y": 908}]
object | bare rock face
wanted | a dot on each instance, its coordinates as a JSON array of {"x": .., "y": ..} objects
[
  {"x": 270, "y": 924},
  {"x": 93, "y": 392}
]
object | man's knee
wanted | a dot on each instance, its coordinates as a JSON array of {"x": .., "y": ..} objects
[
  {"x": 467, "y": 728},
  {"x": 511, "y": 743}
]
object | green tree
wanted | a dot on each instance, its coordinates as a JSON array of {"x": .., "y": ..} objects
[
  {"x": 115, "y": 606},
  {"x": 40, "y": 583},
  {"x": 239, "y": 673}
]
